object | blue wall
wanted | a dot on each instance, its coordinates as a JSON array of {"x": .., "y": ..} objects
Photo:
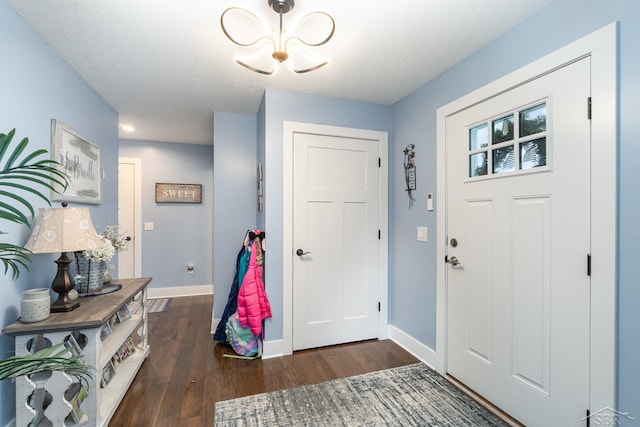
[
  {"x": 278, "y": 107},
  {"x": 37, "y": 86},
  {"x": 182, "y": 231},
  {"x": 42, "y": 87},
  {"x": 234, "y": 198},
  {"x": 413, "y": 266}
]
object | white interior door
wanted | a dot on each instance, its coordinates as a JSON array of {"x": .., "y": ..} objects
[
  {"x": 335, "y": 225},
  {"x": 518, "y": 201},
  {"x": 129, "y": 216}
]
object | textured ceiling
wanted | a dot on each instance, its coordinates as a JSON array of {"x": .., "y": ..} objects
[{"x": 166, "y": 66}]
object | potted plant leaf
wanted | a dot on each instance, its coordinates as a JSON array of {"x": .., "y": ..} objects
[
  {"x": 23, "y": 173},
  {"x": 55, "y": 358}
]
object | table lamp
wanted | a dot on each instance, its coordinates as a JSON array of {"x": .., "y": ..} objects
[{"x": 63, "y": 230}]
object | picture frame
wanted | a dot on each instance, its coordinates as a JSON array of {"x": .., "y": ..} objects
[
  {"x": 123, "y": 314},
  {"x": 79, "y": 158},
  {"x": 108, "y": 373},
  {"x": 131, "y": 346},
  {"x": 73, "y": 346},
  {"x": 105, "y": 331},
  {"x": 76, "y": 412}
]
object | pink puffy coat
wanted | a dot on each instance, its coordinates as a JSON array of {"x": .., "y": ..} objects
[{"x": 253, "y": 304}]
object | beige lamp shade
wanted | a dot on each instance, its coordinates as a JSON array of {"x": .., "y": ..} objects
[{"x": 63, "y": 230}]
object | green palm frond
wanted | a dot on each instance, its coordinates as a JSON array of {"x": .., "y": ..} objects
[
  {"x": 56, "y": 358},
  {"x": 23, "y": 174},
  {"x": 28, "y": 175},
  {"x": 13, "y": 257}
]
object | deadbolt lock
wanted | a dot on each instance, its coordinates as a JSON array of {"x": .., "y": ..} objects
[{"x": 453, "y": 243}]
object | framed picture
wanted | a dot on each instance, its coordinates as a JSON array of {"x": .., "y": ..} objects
[
  {"x": 123, "y": 314},
  {"x": 105, "y": 331},
  {"x": 71, "y": 343},
  {"x": 130, "y": 345},
  {"x": 79, "y": 158},
  {"x": 107, "y": 374},
  {"x": 76, "y": 412}
]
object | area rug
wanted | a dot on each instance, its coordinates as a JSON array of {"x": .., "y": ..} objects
[
  {"x": 153, "y": 305},
  {"x": 412, "y": 395}
]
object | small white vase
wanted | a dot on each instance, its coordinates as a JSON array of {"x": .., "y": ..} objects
[{"x": 35, "y": 305}]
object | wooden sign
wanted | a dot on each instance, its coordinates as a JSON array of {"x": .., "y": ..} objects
[{"x": 178, "y": 193}]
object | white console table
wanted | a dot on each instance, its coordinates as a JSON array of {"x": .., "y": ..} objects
[{"x": 86, "y": 322}]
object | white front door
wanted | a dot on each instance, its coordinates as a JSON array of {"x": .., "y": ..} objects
[
  {"x": 335, "y": 230},
  {"x": 518, "y": 225}
]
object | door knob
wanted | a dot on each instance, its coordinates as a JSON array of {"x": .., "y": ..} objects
[
  {"x": 453, "y": 260},
  {"x": 300, "y": 252}
]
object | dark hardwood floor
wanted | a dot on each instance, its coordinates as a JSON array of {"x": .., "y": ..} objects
[{"x": 186, "y": 373}]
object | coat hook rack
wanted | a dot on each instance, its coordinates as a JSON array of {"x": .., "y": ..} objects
[{"x": 410, "y": 172}]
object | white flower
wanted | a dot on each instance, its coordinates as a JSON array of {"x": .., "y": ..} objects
[
  {"x": 102, "y": 253},
  {"x": 118, "y": 241}
]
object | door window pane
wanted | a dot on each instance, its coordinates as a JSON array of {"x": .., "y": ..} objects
[
  {"x": 533, "y": 120},
  {"x": 478, "y": 164},
  {"x": 533, "y": 154},
  {"x": 503, "y": 160},
  {"x": 478, "y": 137},
  {"x": 503, "y": 129}
]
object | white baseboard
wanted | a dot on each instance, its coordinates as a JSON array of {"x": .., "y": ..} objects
[
  {"x": 214, "y": 325},
  {"x": 413, "y": 346},
  {"x": 272, "y": 349},
  {"x": 179, "y": 291}
]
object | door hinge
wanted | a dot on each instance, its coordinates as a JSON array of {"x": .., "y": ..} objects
[
  {"x": 378, "y": 306},
  {"x": 379, "y": 162},
  {"x": 588, "y": 418},
  {"x": 589, "y": 108},
  {"x": 588, "y": 264},
  {"x": 379, "y": 235}
]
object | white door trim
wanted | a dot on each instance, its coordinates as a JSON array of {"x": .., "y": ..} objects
[
  {"x": 137, "y": 162},
  {"x": 600, "y": 46},
  {"x": 289, "y": 128}
]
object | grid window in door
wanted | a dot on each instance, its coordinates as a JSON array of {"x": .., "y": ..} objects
[{"x": 519, "y": 142}]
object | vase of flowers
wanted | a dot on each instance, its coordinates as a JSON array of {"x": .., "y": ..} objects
[{"x": 92, "y": 263}]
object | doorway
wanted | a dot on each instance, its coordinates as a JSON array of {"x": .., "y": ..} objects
[
  {"x": 596, "y": 369},
  {"x": 517, "y": 282},
  {"x": 323, "y": 151},
  {"x": 130, "y": 215}
]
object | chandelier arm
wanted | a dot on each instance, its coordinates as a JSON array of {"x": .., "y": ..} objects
[
  {"x": 226, "y": 33},
  {"x": 306, "y": 70},
  {"x": 333, "y": 29},
  {"x": 257, "y": 70}
]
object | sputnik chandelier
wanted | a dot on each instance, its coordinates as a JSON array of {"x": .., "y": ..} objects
[{"x": 272, "y": 49}]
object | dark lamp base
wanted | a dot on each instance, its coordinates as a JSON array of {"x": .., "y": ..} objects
[
  {"x": 62, "y": 284},
  {"x": 58, "y": 307}
]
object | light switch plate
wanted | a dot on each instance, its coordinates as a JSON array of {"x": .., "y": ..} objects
[
  {"x": 422, "y": 234},
  {"x": 148, "y": 226}
]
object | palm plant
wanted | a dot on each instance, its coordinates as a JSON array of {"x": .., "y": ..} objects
[
  {"x": 54, "y": 358},
  {"x": 19, "y": 178}
]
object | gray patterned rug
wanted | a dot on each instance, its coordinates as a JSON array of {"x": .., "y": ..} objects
[
  {"x": 412, "y": 395},
  {"x": 157, "y": 305}
]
